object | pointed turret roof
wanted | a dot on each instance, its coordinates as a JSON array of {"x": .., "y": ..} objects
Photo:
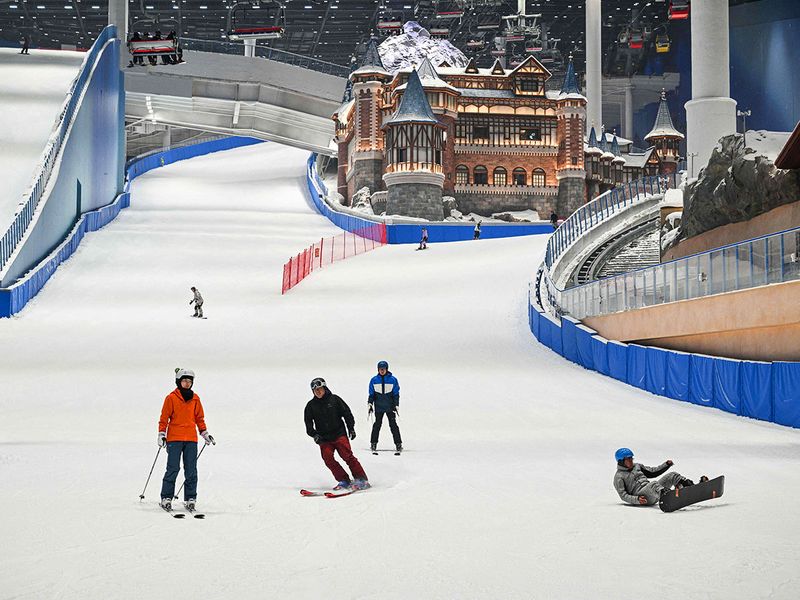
[
  {"x": 414, "y": 107},
  {"x": 604, "y": 145},
  {"x": 618, "y": 158},
  {"x": 570, "y": 81},
  {"x": 471, "y": 67},
  {"x": 429, "y": 77},
  {"x": 371, "y": 60},
  {"x": 497, "y": 68},
  {"x": 663, "y": 126},
  {"x": 591, "y": 145}
]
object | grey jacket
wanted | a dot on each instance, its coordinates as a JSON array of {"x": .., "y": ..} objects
[
  {"x": 629, "y": 483},
  {"x": 198, "y": 299}
]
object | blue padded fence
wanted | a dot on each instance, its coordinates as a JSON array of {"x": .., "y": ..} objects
[
  {"x": 14, "y": 298},
  {"x": 759, "y": 390},
  {"x": 410, "y": 233}
]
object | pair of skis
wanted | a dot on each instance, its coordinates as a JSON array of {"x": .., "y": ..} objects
[
  {"x": 333, "y": 494},
  {"x": 181, "y": 515}
]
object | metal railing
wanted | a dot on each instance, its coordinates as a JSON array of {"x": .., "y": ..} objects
[
  {"x": 298, "y": 60},
  {"x": 22, "y": 219},
  {"x": 768, "y": 259}
]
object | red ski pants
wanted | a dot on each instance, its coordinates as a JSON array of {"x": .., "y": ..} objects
[{"x": 342, "y": 446}]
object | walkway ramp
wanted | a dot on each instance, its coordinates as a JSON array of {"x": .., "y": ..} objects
[{"x": 33, "y": 89}]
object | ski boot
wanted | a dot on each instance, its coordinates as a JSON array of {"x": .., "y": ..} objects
[
  {"x": 342, "y": 485},
  {"x": 703, "y": 478},
  {"x": 398, "y": 449},
  {"x": 166, "y": 503},
  {"x": 361, "y": 484},
  {"x": 684, "y": 483},
  {"x": 373, "y": 447},
  {"x": 189, "y": 505}
]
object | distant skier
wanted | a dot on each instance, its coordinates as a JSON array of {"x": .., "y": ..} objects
[
  {"x": 384, "y": 399},
  {"x": 198, "y": 303},
  {"x": 554, "y": 220},
  {"x": 329, "y": 421},
  {"x": 26, "y": 44},
  {"x": 631, "y": 479},
  {"x": 181, "y": 417},
  {"x": 477, "y": 232},
  {"x": 423, "y": 242}
]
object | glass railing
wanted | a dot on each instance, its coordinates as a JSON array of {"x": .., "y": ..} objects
[
  {"x": 773, "y": 258},
  {"x": 24, "y": 216},
  {"x": 298, "y": 60}
]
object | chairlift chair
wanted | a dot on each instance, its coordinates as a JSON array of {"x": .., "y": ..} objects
[
  {"x": 533, "y": 45},
  {"x": 439, "y": 32},
  {"x": 389, "y": 25},
  {"x": 636, "y": 40},
  {"x": 662, "y": 43},
  {"x": 678, "y": 9},
  {"x": 241, "y": 24}
]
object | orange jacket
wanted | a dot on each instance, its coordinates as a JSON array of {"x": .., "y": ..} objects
[{"x": 180, "y": 417}]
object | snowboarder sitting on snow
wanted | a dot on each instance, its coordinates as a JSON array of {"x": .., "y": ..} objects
[
  {"x": 198, "y": 303},
  {"x": 384, "y": 398},
  {"x": 632, "y": 484},
  {"x": 330, "y": 422},
  {"x": 181, "y": 414}
]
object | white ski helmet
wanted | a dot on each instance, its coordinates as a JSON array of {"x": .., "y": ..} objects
[{"x": 182, "y": 374}]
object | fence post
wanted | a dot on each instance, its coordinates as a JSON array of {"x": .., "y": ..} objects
[{"x": 321, "y": 247}]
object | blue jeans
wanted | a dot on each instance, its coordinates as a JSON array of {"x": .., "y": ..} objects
[{"x": 174, "y": 452}]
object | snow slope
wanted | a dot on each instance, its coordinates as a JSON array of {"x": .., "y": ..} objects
[
  {"x": 32, "y": 90},
  {"x": 505, "y": 488}
]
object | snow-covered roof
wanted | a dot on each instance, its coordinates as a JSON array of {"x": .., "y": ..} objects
[
  {"x": 344, "y": 110},
  {"x": 429, "y": 77},
  {"x": 638, "y": 160},
  {"x": 414, "y": 107},
  {"x": 663, "y": 125},
  {"x": 473, "y": 93}
]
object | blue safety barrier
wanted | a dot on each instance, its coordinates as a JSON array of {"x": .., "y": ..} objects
[
  {"x": 759, "y": 390},
  {"x": 411, "y": 233},
  {"x": 583, "y": 342},
  {"x": 727, "y": 385},
  {"x": 637, "y": 366},
  {"x": 677, "y": 384},
  {"x": 756, "y": 390},
  {"x": 655, "y": 380}
]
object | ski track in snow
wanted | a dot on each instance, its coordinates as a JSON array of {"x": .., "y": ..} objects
[{"x": 505, "y": 491}]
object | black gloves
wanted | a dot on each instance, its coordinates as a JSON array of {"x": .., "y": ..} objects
[
  {"x": 317, "y": 438},
  {"x": 352, "y": 434}
]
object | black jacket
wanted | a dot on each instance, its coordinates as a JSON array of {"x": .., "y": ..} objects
[{"x": 324, "y": 417}]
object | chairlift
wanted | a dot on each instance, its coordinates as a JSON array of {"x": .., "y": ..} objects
[
  {"x": 662, "y": 43},
  {"x": 515, "y": 60},
  {"x": 439, "y": 32},
  {"x": 534, "y": 45},
  {"x": 678, "y": 9},
  {"x": 153, "y": 47},
  {"x": 243, "y": 24},
  {"x": 389, "y": 25},
  {"x": 515, "y": 38},
  {"x": 636, "y": 41},
  {"x": 488, "y": 22}
]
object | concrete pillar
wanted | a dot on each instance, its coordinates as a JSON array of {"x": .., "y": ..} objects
[
  {"x": 629, "y": 111},
  {"x": 249, "y": 47},
  {"x": 166, "y": 138},
  {"x": 118, "y": 15},
  {"x": 594, "y": 73},
  {"x": 711, "y": 113}
]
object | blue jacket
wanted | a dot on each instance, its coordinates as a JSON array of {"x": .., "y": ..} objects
[{"x": 384, "y": 392}]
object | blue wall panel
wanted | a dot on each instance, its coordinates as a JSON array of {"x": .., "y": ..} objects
[
  {"x": 583, "y": 342},
  {"x": 701, "y": 379},
  {"x": 677, "y": 383},
  {"x": 786, "y": 390},
  {"x": 535, "y": 320},
  {"x": 756, "y": 390},
  {"x": 637, "y": 366},
  {"x": 599, "y": 354},
  {"x": 656, "y": 366},
  {"x": 569, "y": 344},
  {"x": 553, "y": 329},
  {"x": 617, "y": 353},
  {"x": 726, "y": 385}
]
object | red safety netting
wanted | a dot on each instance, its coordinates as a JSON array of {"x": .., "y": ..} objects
[{"x": 330, "y": 250}]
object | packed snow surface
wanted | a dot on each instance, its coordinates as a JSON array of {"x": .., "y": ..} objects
[
  {"x": 33, "y": 89},
  {"x": 766, "y": 143},
  {"x": 505, "y": 490}
]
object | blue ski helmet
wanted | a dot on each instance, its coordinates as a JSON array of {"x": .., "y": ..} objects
[
  {"x": 383, "y": 365},
  {"x": 623, "y": 453}
]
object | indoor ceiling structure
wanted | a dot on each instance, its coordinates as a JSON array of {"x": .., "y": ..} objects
[{"x": 334, "y": 30}]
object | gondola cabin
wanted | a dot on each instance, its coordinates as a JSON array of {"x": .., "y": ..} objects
[{"x": 678, "y": 9}]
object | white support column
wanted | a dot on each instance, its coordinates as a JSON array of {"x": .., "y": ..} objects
[
  {"x": 711, "y": 113},
  {"x": 118, "y": 15},
  {"x": 629, "y": 111},
  {"x": 249, "y": 47},
  {"x": 594, "y": 74},
  {"x": 166, "y": 138}
]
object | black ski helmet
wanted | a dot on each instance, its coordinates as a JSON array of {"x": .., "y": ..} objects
[
  {"x": 318, "y": 382},
  {"x": 383, "y": 365}
]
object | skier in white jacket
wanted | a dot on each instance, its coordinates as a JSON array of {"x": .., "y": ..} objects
[{"x": 198, "y": 303}]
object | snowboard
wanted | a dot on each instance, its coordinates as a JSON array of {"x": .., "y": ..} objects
[{"x": 678, "y": 498}]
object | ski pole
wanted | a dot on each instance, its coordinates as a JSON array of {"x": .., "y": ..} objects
[
  {"x": 184, "y": 481},
  {"x": 141, "y": 496}
]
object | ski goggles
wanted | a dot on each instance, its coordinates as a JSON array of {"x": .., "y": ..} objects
[{"x": 317, "y": 383}]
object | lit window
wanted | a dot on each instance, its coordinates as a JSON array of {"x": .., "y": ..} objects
[
  {"x": 462, "y": 175},
  {"x": 500, "y": 176},
  {"x": 538, "y": 178}
]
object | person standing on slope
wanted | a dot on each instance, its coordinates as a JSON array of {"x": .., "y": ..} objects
[
  {"x": 330, "y": 422},
  {"x": 423, "y": 242},
  {"x": 198, "y": 303},
  {"x": 384, "y": 399},
  {"x": 477, "y": 232},
  {"x": 181, "y": 417},
  {"x": 632, "y": 479}
]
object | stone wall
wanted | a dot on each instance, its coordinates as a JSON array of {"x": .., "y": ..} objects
[
  {"x": 486, "y": 203},
  {"x": 571, "y": 196},
  {"x": 367, "y": 173},
  {"x": 421, "y": 200}
]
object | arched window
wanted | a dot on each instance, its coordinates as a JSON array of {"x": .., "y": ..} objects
[
  {"x": 500, "y": 176},
  {"x": 480, "y": 175},
  {"x": 462, "y": 175},
  {"x": 538, "y": 178},
  {"x": 519, "y": 177}
]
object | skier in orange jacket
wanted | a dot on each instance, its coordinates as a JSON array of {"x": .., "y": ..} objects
[{"x": 181, "y": 417}]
